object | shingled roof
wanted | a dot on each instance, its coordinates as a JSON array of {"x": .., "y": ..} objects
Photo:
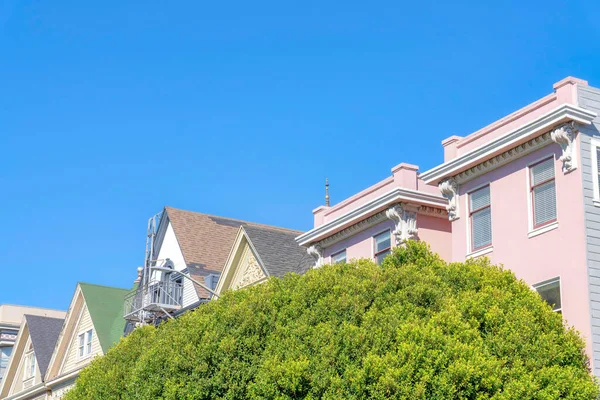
[
  {"x": 44, "y": 333},
  {"x": 206, "y": 240},
  {"x": 279, "y": 251}
]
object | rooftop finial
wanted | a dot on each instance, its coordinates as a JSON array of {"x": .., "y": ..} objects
[
  {"x": 327, "y": 192},
  {"x": 139, "y": 277}
]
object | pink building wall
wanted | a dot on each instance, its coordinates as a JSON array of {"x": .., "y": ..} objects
[
  {"x": 559, "y": 252},
  {"x": 433, "y": 230},
  {"x": 534, "y": 256}
]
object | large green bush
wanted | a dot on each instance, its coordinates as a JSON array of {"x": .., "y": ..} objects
[{"x": 413, "y": 328}]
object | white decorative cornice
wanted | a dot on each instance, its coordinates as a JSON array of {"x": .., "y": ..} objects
[
  {"x": 562, "y": 113},
  {"x": 504, "y": 158},
  {"x": 449, "y": 189},
  {"x": 316, "y": 251},
  {"x": 564, "y": 135},
  {"x": 351, "y": 230},
  {"x": 433, "y": 212},
  {"x": 371, "y": 207},
  {"x": 405, "y": 218}
]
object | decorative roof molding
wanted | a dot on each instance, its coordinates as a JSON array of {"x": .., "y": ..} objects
[
  {"x": 561, "y": 114},
  {"x": 316, "y": 251},
  {"x": 351, "y": 230},
  {"x": 564, "y": 135},
  {"x": 449, "y": 189},
  {"x": 405, "y": 218},
  {"x": 366, "y": 210},
  {"x": 433, "y": 212}
]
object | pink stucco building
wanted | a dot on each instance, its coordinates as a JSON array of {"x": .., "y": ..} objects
[{"x": 523, "y": 191}]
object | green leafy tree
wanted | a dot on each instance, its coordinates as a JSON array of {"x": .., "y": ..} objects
[{"x": 415, "y": 327}]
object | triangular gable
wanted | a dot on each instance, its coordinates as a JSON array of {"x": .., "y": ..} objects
[
  {"x": 15, "y": 361},
  {"x": 44, "y": 332},
  {"x": 66, "y": 335},
  {"x": 105, "y": 305},
  {"x": 93, "y": 307},
  {"x": 37, "y": 334},
  {"x": 243, "y": 267}
]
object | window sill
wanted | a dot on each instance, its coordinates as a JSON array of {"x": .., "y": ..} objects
[
  {"x": 596, "y": 202},
  {"x": 480, "y": 252},
  {"x": 543, "y": 229},
  {"x": 84, "y": 358}
]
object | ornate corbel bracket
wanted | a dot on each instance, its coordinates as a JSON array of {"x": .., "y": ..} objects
[
  {"x": 406, "y": 223},
  {"x": 564, "y": 135},
  {"x": 449, "y": 189},
  {"x": 316, "y": 251}
]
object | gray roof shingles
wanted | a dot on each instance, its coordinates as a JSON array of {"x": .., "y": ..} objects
[
  {"x": 278, "y": 251},
  {"x": 44, "y": 333}
]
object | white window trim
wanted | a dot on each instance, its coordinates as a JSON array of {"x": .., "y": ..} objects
[
  {"x": 336, "y": 253},
  {"x": 485, "y": 250},
  {"x": 547, "y": 282},
  {"x": 88, "y": 355},
  {"x": 594, "y": 145},
  {"x": 480, "y": 252},
  {"x": 543, "y": 229},
  {"x": 374, "y": 243},
  {"x": 531, "y": 231},
  {"x": 30, "y": 355}
]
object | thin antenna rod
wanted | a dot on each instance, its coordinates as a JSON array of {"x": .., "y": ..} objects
[{"x": 327, "y": 192}]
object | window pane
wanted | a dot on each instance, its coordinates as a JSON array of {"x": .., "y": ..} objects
[
  {"x": 382, "y": 241},
  {"x": 339, "y": 257},
  {"x": 550, "y": 292},
  {"x": 598, "y": 164},
  {"x": 381, "y": 256},
  {"x": 542, "y": 171},
  {"x": 480, "y": 198},
  {"x": 482, "y": 228},
  {"x": 544, "y": 203}
]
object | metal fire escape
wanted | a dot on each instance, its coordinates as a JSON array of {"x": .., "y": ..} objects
[{"x": 156, "y": 298}]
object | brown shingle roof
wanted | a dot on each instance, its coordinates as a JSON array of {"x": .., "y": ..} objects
[{"x": 205, "y": 240}]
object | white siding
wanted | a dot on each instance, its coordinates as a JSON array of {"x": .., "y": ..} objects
[
  {"x": 589, "y": 98},
  {"x": 72, "y": 360},
  {"x": 19, "y": 383},
  {"x": 170, "y": 249}
]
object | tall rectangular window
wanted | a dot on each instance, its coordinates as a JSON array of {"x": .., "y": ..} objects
[
  {"x": 595, "y": 158},
  {"x": 29, "y": 370},
  {"x": 4, "y": 357},
  {"x": 550, "y": 293},
  {"x": 480, "y": 218},
  {"x": 543, "y": 192},
  {"x": 597, "y": 177},
  {"x": 339, "y": 257},
  {"x": 383, "y": 246},
  {"x": 85, "y": 343}
]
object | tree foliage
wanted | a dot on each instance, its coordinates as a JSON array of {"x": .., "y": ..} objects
[{"x": 415, "y": 327}]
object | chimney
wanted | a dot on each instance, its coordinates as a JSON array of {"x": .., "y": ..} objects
[
  {"x": 405, "y": 175},
  {"x": 566, "y": 90},
  {"x": 450, "y": 147}
]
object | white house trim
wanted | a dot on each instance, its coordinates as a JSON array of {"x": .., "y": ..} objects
[
  {"x": 29, "y": 392},
  {"x": 562, "y": 113},
  {"x": 393, "y": 196}
]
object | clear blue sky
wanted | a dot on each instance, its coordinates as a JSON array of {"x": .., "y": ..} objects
[{"x": 109, "y": 111}]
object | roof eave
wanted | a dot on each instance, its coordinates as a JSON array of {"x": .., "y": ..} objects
[
  {"x": 563, "y": 113},
  {"x": 373, "y": 206}
]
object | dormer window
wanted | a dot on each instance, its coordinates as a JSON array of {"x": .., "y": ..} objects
[{"x": 85, "y": 343}]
